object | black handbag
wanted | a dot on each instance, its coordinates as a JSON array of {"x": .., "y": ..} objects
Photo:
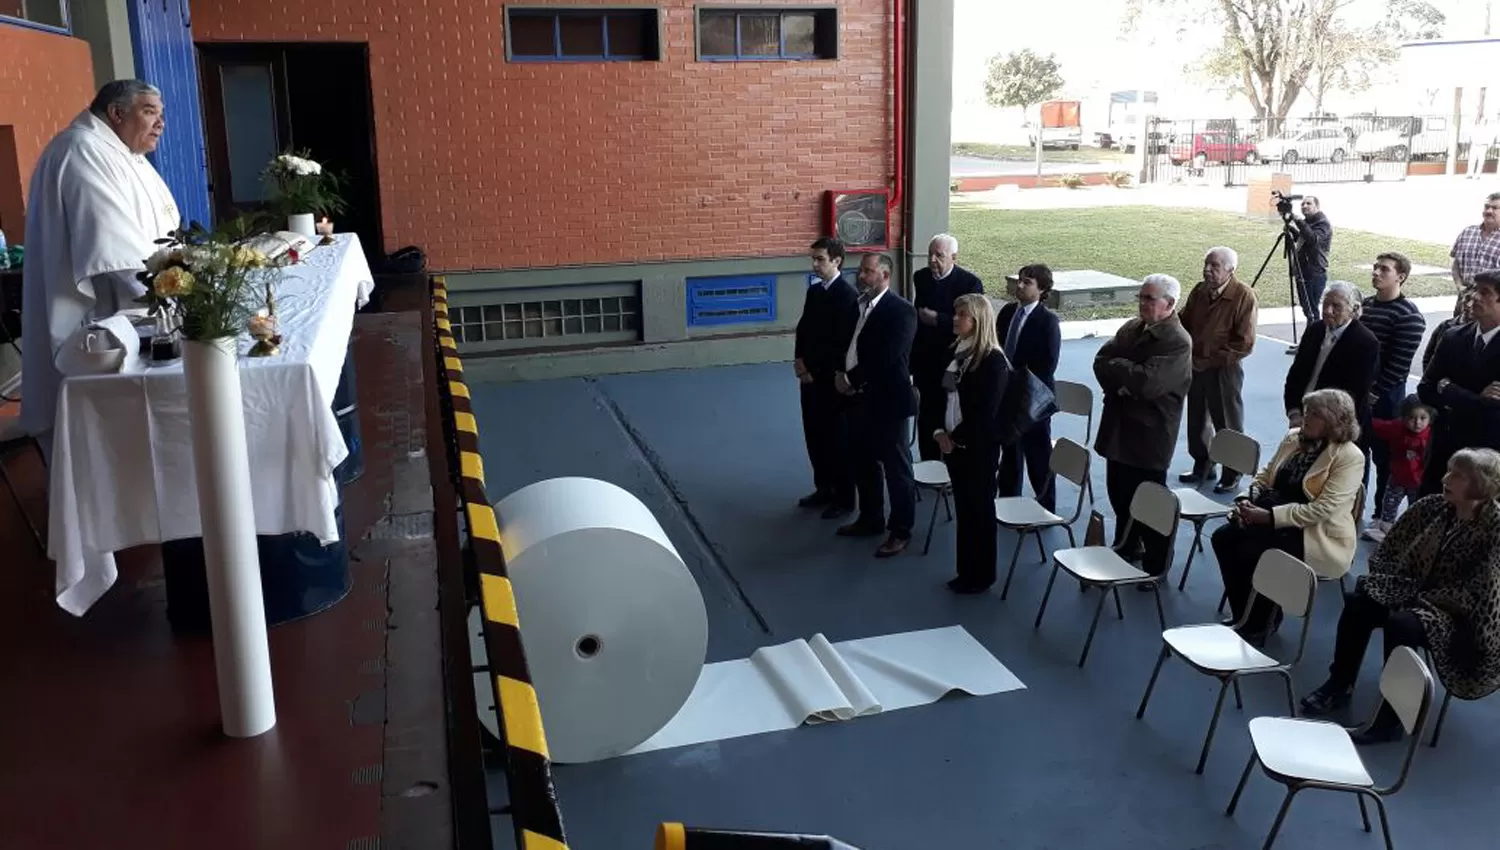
[{"x": 1027, "y": 402}]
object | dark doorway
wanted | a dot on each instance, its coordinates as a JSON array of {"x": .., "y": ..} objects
[{"x": 264, "y": 99}]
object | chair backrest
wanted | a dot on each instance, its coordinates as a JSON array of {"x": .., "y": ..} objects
[
  {"x": 1071, "y": 461},
  {"x": 1287, "y": 581},
  {"x": 1076, "y": 399},
  {"x": 1236, "y": 451},
  {"x": 1157, "y": 508},
  {"x": 1406, "y": 684}
]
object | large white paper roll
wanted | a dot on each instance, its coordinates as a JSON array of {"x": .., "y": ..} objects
[{"x": 613, "y": 622}]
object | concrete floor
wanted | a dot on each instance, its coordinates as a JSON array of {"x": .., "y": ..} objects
[{"x": 718, "y": 456}]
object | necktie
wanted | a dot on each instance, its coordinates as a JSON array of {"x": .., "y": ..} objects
[
  {"x": 1013, "y": 333},
  {"x": 1478, "y": 345}
]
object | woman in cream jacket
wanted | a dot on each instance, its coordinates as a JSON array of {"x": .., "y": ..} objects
[{"x": 1302, "y": 503}]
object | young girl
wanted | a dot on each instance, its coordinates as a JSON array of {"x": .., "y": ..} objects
[{"x": 1407, "y": 438}]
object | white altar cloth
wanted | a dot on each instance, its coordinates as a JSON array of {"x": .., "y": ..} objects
[{"x": 122, "y": 470}]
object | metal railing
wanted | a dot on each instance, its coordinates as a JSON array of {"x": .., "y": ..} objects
[{"x": 533, "y": 808}]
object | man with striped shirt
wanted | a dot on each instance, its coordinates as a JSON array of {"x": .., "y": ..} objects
[{"x": 1398, "y": 325}]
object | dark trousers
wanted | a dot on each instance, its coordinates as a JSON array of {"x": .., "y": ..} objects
[
  {"x": 1311, "y": 296},
  {"x": 882, "y": 461},
  {"x": 1377, "y": 453},
  {"x": 1440, "y": 450},
  {"x": 1238, "y": 549},
  {"x": 1121, "y": 481},
  {"x": 932, "y": 412},
  {"x": 1215, "y": 396},
  {"x": 1034, "y": 451},
  {"x": 822, "y": 428},
  {"x": 1362, "y": 616},
  {"x": 972, "y": 472}
]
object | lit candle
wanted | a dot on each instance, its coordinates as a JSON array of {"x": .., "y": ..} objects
[{"x": 325, "y": 227}]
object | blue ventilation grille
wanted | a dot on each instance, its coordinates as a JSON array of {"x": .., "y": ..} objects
[{"x": 731, "y": 300}]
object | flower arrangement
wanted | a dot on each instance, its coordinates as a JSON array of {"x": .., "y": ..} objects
[
  {"x": 300, "y": 185},
  {"x": 207, "y": 285}
]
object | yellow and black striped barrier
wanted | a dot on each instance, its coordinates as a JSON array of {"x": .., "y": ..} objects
[
  {"x": 533, "y": 809},
  {"x": 675, "y": 836}
]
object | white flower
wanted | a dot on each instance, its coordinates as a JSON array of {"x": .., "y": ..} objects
[{"x": 300, "y": 166}]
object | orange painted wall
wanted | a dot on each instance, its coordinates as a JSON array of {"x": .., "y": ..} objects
[
  {"x": 46, "y": 79},
  {"x": 489, "y": 164}
]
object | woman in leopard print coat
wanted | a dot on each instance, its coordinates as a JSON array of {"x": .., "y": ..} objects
[{"x": 1435, "y": 583}]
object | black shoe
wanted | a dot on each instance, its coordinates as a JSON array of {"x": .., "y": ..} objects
[
  {"x": 1254, "y": 635},
  {"x": 1132, "y": 553},
  {"x": 966, "y": 588},
  {"x": 1227, "y": 484},
  {"x": 1197, "y": 475},
  {"x": 1327, "y": 699},
  {"x": 859, "y": 528},
  {"x": 1385, "y": 730},
  {"x": 837, "y": 511},
  {"x": 815, "y": 500},
  {"x": 1291, "y": 349}
]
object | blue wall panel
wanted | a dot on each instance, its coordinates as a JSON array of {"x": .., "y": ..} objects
[{"x": 165, "y": 57}]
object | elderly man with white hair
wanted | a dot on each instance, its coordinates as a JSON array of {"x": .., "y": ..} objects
[
  {"x": 936, "y": 288},
  {"x": 1144, "y": 372},
  {"x": 1220, "y": 315},
  {"x": 97, "y": 208},
  {"x": 1337, "y": 352}
]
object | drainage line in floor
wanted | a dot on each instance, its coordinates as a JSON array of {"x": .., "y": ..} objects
[{"x": 653, "y": 462}]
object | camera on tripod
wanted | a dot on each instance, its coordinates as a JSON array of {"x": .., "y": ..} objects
[{"x": 1284, "y": 203}]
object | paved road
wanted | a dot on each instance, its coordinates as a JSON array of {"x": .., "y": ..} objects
[{"x": 973, "y": 166}]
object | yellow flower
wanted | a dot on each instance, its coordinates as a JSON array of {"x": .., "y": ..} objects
[
  {"x": 173, "y": 283},
  {"x": 247, "y": 258}
]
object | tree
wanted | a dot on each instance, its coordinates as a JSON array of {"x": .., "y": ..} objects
[
  {"x": 1274, "y": 50},
  {"x": 1022, "y": 79}
]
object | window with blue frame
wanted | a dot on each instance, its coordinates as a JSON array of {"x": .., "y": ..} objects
[
  {"x": 582, "y": 35},
  {"x": 740, "y": 34},
  {"x": 40, "y": 14}
]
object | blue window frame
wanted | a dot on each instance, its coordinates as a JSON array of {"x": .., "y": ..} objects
[
  {"x": 737, "y": 300},
  {"x": 761, "y": 34},
  {"x": 46, "y": 15},
  {"x": 582, "y": 35}
]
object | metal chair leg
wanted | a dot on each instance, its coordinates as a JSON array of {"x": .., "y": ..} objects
[
  {"x": 1213, "y": 725},
  {"x": 1437, "y": 728},
  {"x": 1192, "y": 550},
  {"x": 1223, "y": 599},
  {"x": 932, "y": 521},
  {"x": 1041, "y": 551},
  {"x": 1046, "y": 595},
  {"x": 1094, "y": 627},
  {"x": 1385, "y": 821},
  {"x": 1072, "y": 541},
  {"x": 1161, "y": 616},
  {"x": 1364, "y": 816},
  {"x": 1234, "y": 801},
  {"x": 1119, "y": 611},
  {"x": 1280, "y": 818},
  {"x": 1151, "y": 685},
  {"x": 947, "y": 505},
  {"x": 1239, "y": 701},
  {"x": 1015, "y": 556}
]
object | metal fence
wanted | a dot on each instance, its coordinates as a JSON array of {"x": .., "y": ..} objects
[{"x": 1353, "y": 148}]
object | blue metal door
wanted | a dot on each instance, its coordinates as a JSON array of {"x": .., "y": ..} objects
[{"x": 165, "y": 57}]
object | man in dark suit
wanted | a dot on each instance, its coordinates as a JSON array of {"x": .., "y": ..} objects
[
  {"x": 822, "y": 338},
  {"x": 1463, "y": 384},
  {"x": 876, "y": 379},
  {"x": 1032, "y": 339},
  {"x": 1338, "y": 353},
  {"x": 936, "y": 288}
]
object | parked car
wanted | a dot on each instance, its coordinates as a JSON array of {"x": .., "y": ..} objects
[
  {"x": 1404, "y": 138},
  {"x": 1212, "y": 147},
  {"x": 1327, "y": 143}
]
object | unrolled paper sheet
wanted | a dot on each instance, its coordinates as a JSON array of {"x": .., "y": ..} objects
[{"x": 785, "y": 686}]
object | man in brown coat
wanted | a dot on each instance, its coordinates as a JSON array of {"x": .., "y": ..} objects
[
  {"x": 1219, "y": 314},
  {"x": 1144, "y": 372}
]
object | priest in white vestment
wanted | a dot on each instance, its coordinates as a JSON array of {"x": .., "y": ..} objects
[{"x": 95, "y": 209}]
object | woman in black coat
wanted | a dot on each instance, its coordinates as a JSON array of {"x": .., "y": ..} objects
[{"x": 969, "y": 439}]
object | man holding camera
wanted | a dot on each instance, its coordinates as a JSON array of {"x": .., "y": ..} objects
[{"x": 1312, "y": 234}]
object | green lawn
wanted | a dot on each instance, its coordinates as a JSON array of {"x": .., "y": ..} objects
[
  {"x": 1024, "y": 153},
  {"x": 1136, "y": 241}
]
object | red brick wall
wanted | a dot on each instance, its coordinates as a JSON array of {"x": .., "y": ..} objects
[
  {"x": 489, "y": 164},
  {"x": 45, "y": 81}
]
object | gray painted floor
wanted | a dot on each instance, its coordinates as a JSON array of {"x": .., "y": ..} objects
[{"x": 717, "y": 455}]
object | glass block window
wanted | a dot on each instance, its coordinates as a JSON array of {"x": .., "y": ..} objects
[{"x": 555, "y": 317}]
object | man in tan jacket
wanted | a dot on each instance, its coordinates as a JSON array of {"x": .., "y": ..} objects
[{"x": 1220, "y": 316}]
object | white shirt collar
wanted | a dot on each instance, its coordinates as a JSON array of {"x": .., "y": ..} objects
[
  {"x": 876, "y": 299},
  {"x": 944, "y": 276},
  {"x": 829, "y": 283},
  {"x": 1026, "y": 309},
  {"x": 1488, "y": 336}
]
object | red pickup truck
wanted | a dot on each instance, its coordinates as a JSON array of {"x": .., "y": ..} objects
[{"x": 1212, "y": 147}]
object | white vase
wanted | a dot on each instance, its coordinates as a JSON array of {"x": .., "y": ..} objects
[
  {"x": 242, "y": 657},
  {"x": 302, "y": 223}
]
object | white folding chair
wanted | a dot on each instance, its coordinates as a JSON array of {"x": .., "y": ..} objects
[
  {"x": 1303, "y": 754},
  {"x": 1025, "y": 515},
  {"x": 1078, "y": 400},
  {"x": 933, "y": 475},
  {"x": 1219, "y": 651},
  {"x": 1234, "y": 451},
  {"x": 1100, "y": 566}
]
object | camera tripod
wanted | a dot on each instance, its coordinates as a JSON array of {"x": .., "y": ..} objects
[{"x": 1296, "y": 288}]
